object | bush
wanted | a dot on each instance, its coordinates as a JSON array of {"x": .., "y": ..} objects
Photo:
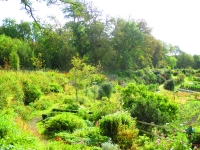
[
  {"x": 104, "y": 108},
  {"x": 126, "y": 138},
  {"x": 43, "y": 103},
  {"x": 109, "y": 146},
  {"x": 160, "y": 79},
  {"x": 72, "y": 107},
  {"x": 169, "y": 85},
  {"x": 110, "y": 124},
  {"x": 64, "y": 122},
  {"x": 53, "y": 87},
  {"x": 5, "y": 125},
  {"x": 105, "y": 90},
  {"x": 90, "y": 136},
  {"x": 31, "y": 93},
  {"x": 147, "y": 106}
]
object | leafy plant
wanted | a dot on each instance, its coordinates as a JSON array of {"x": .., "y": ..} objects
[
  {"x": 147, "y": 106},
  {"x": 31, "y": 92},
  {"x": 64, "y": 122},
  {"x": 105, "y": 90},
  {"x": 110, "y": 124},
  {"x": 109, "y": 146},
  {"x": 169, "y": 85}
]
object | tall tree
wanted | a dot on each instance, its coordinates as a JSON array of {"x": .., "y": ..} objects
[
  {"x": 196, "y": 61},
  {"x": 143, "y": 27},
  {"x": 157, "y": 55},
  {"x": 185, "y": 60},
  {"x": 126, "y": 38}
]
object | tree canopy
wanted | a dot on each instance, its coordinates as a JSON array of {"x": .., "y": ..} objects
[{"x": 115, "y": 43}]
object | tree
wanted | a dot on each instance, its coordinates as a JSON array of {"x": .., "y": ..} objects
[
  {"x": 21, "y": 48},
  {"x": 9, "y": 28},
  {"x": 126, "y": 39},
  {"x": 28, "y": 6},
  {"x": 80, "y": 74},
  {"x": 143, "y": 27},
  {"x": 14, "y": 60},
  {"x": 172, "y": 61},
  {"x": 185, "y": 60},
  {"x": 38, "y": 63},
  {"x": 157, "y": 55},
  {"x": 146, "y": 52},
  {"x": 196, "y": 61}
]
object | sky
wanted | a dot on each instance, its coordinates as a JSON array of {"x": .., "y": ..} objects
[{"x": 175, "y": 22}]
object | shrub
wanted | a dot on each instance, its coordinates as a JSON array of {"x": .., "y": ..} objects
[
  {"x": 105, "y": 90},
  {"x": 31, "y": 92},
  {"x": 169, "y": 85},
  {"x": 64, "y": 122},
  {"x": 72, "y": 107},
  {"x": 83, "y": 113},
  {"x": 167, "y": 74},
  {"x": 90, "y": 136},
  {"x": 160, "y": 79},
  {"x": 43, "y": 103},
  {"x": 5, "y": 125},
  {"x": 22, "y": 110},
  {"x": 126, "y": 138},
  {"x": 69, "y": 99},
  {"x": 104, "y": 108},
  {"x": 147, "y": 106},
  {"x": 110, "y": 124},
  {"x": 109, "y": 146},
  {"x": 54, "y": 88}
]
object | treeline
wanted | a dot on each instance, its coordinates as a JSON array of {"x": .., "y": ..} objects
[{"x": 112, "y": 43}]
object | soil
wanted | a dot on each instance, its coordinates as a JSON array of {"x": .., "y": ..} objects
[
  {"x": 33, "y": 126},
  {"x": 32, "y": 123}
]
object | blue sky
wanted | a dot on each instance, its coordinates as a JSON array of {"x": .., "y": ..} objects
[{"x": 175, "y": 22}]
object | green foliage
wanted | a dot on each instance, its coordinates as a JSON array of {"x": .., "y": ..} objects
[
  {"x": 147, "y": 106},
  {"x": 73, "y": 106},
  {"x": 55, "y": 88},
  {"x": 90, "y": 136},
  {"x": 103, "y": 108},
  {"x": 5, "y": 125},
  {"x": 160, "y": 79},
  {"x": 105, "y": 90},
  {"x": 31, "y": 92},
  {"x": 14, "y": 61},
  {"x": 64, "y": 122},
  {"x": 14, "y": 133},
  {"x": 42, "y": 103},
  {"x": 81, "y": 74},
  {"x": 109, "y": 146},
  {"x": 110, "y": 124},
  {"x": 169, "y": 85},
  {"x": 126, "y": 138},
  {"x": 38, "y": 62},
  {"x": 195, "y": 139},
  {"x": 179, "y": 79},
  {"x": 22, "y": 110}
]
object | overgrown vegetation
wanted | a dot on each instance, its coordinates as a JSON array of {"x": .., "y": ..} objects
[
  {"x": 106, "y": 122},
  {"x": 94, "y": 85}
]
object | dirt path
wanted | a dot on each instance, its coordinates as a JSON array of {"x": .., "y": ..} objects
[
  {"x": 33, "y": 126},
  {"x": 32, "y": 123}
]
